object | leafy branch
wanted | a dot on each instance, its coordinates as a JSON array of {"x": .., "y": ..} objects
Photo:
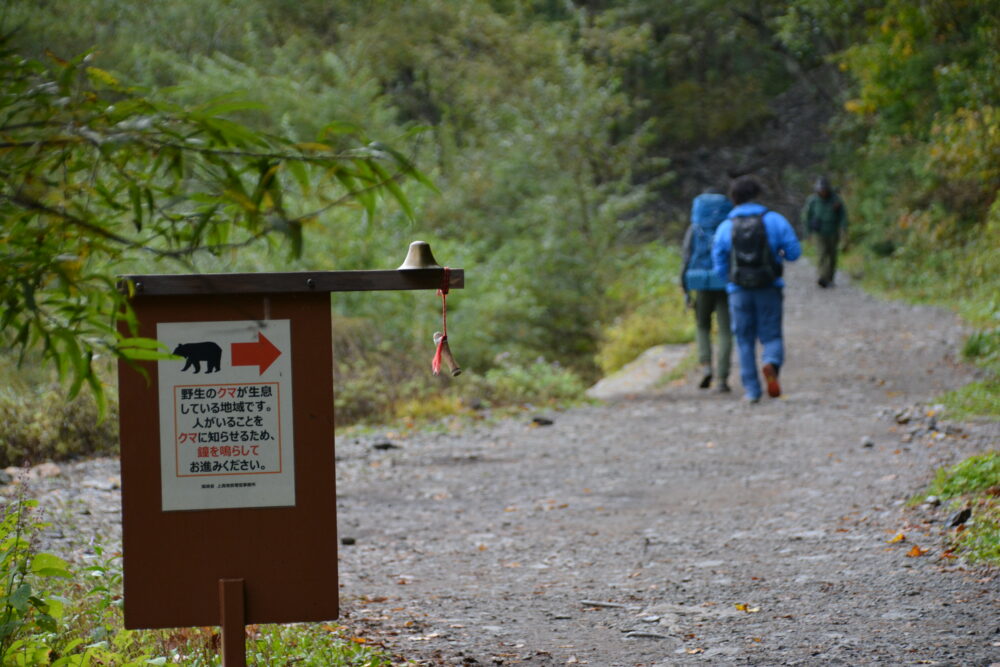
[{"x": 94, "y": 176}]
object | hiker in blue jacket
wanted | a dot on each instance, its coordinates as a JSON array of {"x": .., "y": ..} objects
[
  {"x": 708, "y": 210},
  {"x": 754, "y": 283}
]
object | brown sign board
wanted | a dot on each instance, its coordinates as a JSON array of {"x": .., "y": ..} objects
[{"x": 228, "y": 454}]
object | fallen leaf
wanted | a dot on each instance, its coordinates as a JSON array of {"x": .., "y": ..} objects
[
  {"x": 747, "y": 608},
  {"x": 359, "y": 640},
  {"x": 693, "y": 651},
  {"x": 900, "y": 537},
  {"x": 915, "y": 552}
]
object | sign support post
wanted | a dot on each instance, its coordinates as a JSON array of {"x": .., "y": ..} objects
[
  {"x": 227, "y": 452},
  {"x": 233, "y": 622}
]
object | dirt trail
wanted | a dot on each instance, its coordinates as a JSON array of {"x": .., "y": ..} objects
[{"x": 683, "y": 527}]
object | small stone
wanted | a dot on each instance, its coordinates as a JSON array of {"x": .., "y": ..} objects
[
  {"x": 960, "y": 517},
  {"x": 542, "y": 421},
  {"x": 47, "y": 469},
  {"x": 383, "y": 446},
  {"x": 933, "y": 501},
  {"x": 348, "y": 541},
  {"x": 867, "y": 441}
]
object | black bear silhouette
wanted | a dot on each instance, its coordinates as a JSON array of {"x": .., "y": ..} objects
[{"x": 195, "y": 353}]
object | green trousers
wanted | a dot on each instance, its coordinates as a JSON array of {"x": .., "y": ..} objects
[
  {"x": 826, "y": 248},
  {"x": 707, "y": 302}
]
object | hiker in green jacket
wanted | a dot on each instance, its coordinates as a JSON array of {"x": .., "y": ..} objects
[{"x": 825, "y": 216}]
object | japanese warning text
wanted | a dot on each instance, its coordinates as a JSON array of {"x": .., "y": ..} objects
[{"x": 226, "y": 415}]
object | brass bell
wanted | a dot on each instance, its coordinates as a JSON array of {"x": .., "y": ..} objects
[{"x": 419, "y": 256}]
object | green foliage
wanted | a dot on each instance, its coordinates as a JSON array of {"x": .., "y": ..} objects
[
  {"x": 980, "y": 541},
  {"x": 313, "y": 645},
  {"x": 976, "y": 399},
  {"x": 43, "y": 425},
  {"x": 701, "y": 72},
  {"x": 49, "y": 616},
  {"x": 974, "y": 483},
  {"x": 976, "y": 473},
  {"x": 927, "y": 179},
  {"x": 652, "y": 307},
  {"x": 537, "y": 383},
  {"x": 93, "y": 176},
  {"x": 28, "y": 609},
  {"x": 984, "y": 347}
]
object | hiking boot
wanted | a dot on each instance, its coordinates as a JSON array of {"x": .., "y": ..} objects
[
  {"x": 706, "y": 378},
  {"x": 771, "y": 377},
  {"x": 723, "y": 387}
]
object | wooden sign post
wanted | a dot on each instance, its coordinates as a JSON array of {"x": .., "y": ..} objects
[{"x": 229, "y": 512}]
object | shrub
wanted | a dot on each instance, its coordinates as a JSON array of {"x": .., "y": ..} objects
[
  {"x": 641, "y": 330},
  {"x": 653, "y": 307},
  {"x": 539, "y": 382},
  {"x": 29, "y": 611},
  {"x": 38, "y": 424}
]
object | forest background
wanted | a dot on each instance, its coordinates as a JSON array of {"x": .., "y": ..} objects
[{"x": 550, "y": 148}]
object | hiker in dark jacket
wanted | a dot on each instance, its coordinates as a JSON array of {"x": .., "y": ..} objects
[
  {"x": 825, "y": 216},
  {"x": 755, "y": 311},
  {"x": 708, "y": 210}
]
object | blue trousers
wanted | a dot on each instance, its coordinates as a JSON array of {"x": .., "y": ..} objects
[{"x": 755, "y": 314}]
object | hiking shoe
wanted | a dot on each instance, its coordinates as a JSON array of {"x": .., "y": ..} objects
[
  {"x": 706, "y": 378},
  {"x": 723, "y": 387},
  {"x": 771, "y": 377}
]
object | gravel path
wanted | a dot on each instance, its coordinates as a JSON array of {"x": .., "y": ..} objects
[{"x": 673, "y": 526}]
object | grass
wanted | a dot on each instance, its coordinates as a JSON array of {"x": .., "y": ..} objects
[
  {"x": 977, "y": 399},
  {"x": 973, "y": 483},
  {"x": 72, "y": 617},
  {"x": 981, "y": 398}
]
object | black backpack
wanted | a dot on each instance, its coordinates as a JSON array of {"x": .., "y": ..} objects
[{"x": 751, "y": 263}]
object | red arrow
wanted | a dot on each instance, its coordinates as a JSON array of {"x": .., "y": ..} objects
[{"x": 262, "y": 353}]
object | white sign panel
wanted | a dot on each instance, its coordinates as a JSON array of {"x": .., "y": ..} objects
[{"x": 226, "y": 415}]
